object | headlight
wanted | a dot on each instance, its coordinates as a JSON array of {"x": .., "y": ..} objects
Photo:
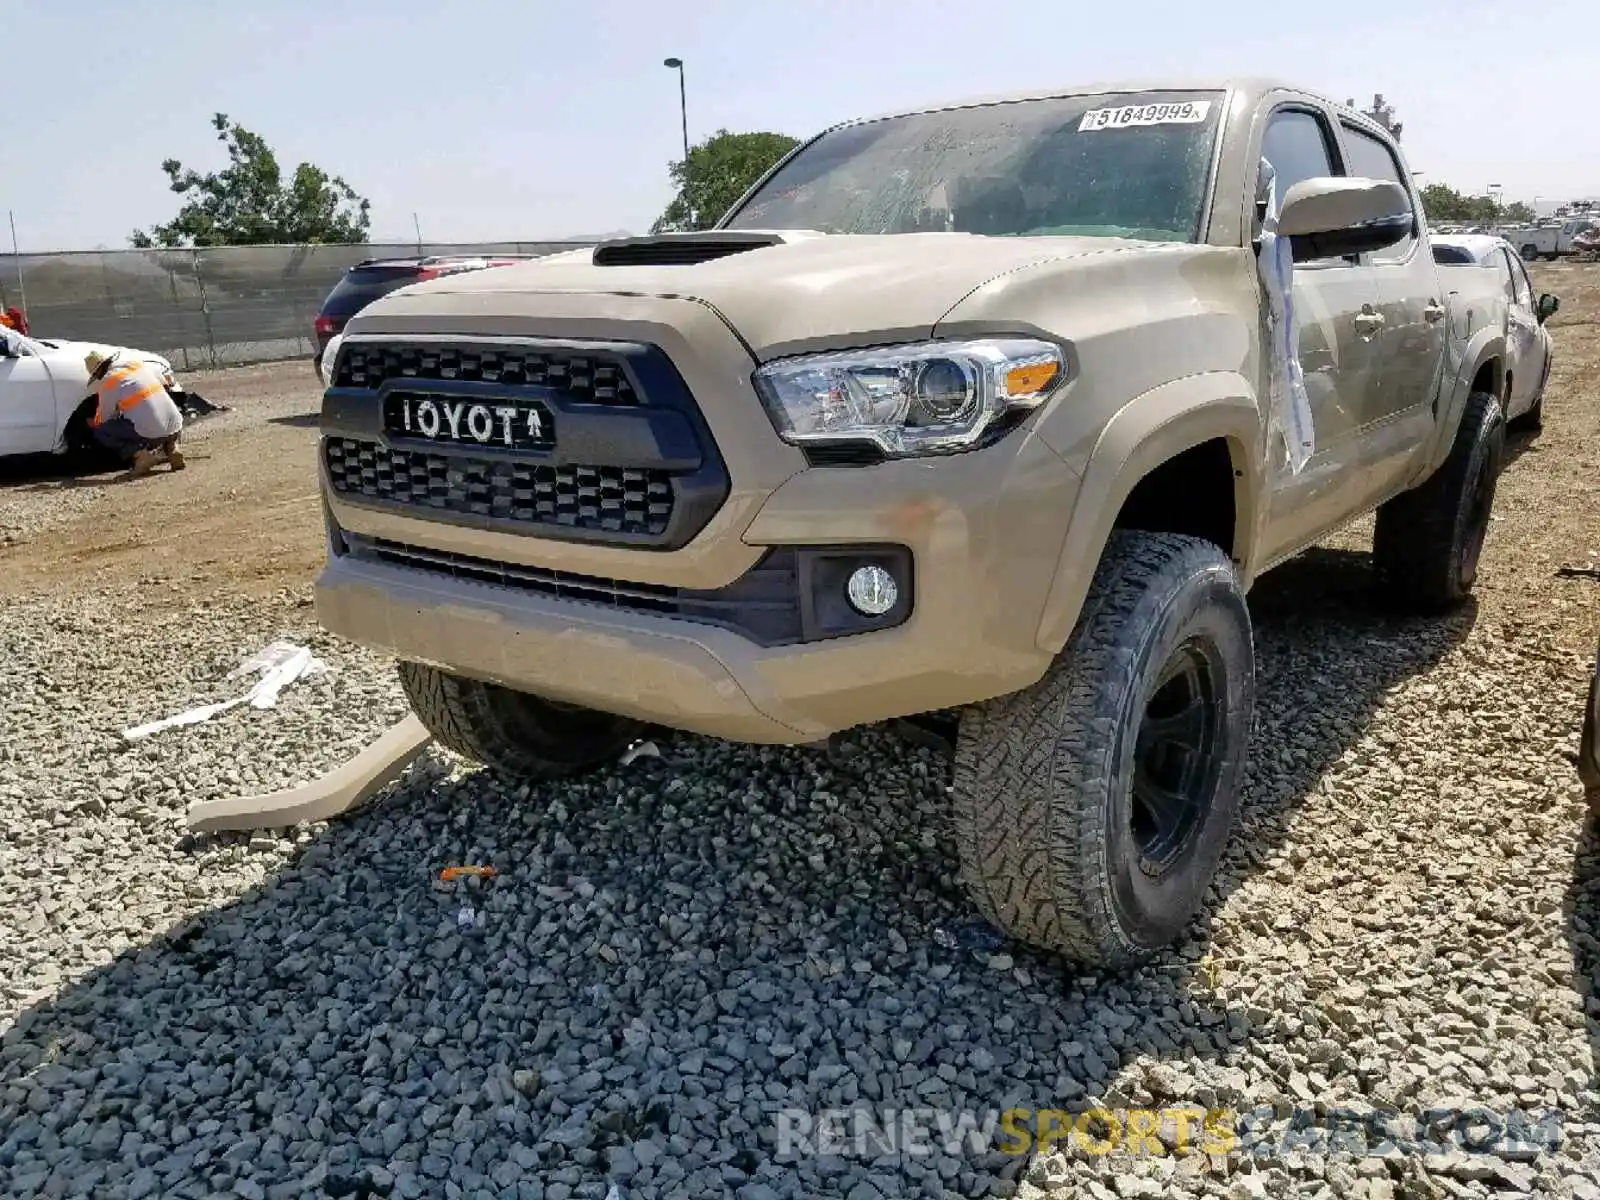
[{"x": 928, "y": 398}]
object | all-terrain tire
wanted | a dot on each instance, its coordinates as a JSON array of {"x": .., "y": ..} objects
[
  {"x": 1428, "y": 540},
  {"x": 1046, "y": 818},
  {"x": 517, "y": 734}
]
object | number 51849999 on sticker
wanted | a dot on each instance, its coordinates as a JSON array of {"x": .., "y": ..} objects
[{"x": 1186, "y": 112}]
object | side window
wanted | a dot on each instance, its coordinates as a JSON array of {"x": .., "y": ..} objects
[
  {"x": 1502, "y": 270},
  {"x": 1371, "y": 159},
  {"x": 1297, "y": 145},
  {"x": 1520, "y": 281}
]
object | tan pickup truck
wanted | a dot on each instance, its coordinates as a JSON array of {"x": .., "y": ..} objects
[{"x": 996, "y": 408}]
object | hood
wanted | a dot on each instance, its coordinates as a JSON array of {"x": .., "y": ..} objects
[
  {"x": 77, "y": 350},
  {"x": 783, "y": 292}
]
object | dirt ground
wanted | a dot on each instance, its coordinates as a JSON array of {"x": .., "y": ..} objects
[{"x": 244, "y": 519}]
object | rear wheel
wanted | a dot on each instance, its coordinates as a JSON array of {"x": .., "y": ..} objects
[
  {"x": 524, "y": 736},
  {"x": 1427, "y": 541},
  {"x": 1531, "y": 421},
  {"x": 1092, "y": 808},
  {"x": 1530, "y": 253}
]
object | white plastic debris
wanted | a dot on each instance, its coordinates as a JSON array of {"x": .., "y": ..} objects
[
  {"x": 275, "y": 654},
  {"x": 640, "y": 750},
  {"x": 279, "y": 665},
  {"x": 1291, "y": 406},
  {"x": 467, "y": 917}
]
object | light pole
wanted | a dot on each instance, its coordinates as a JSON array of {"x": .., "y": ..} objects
[
  {"x": 1494, "y": 191},
  {"x": 676, "y": 64}
]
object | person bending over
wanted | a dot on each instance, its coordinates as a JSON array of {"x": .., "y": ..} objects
[{"x": 135, "y": 419}]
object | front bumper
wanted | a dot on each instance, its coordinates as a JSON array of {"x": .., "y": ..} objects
[
  {"x": 983, "y": 529},
  {"x": 970, "y": 635}
]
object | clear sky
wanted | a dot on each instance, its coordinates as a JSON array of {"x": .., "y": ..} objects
[{"x": 522, "y": 119}]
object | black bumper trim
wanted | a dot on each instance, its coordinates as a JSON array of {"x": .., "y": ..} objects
[{"x": 774, "y": 603}]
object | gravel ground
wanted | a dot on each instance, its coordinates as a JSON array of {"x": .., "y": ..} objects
[{"x": 676, "y": 953}]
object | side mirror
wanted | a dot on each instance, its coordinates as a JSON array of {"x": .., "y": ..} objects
[
  {"x": 1335, "y": 216},
  {"x": 1548, "y": 306}
]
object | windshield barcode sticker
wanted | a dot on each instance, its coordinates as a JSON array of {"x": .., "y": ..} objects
[{"x": 1189, "y": 112}]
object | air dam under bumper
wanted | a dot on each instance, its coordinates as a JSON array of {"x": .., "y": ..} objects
[{"x": 984, "y": 529}]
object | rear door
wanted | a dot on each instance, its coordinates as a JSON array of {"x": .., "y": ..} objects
[
  {"x": 1332, "y": 299},
  {"x": 1409, "y": 345},
  {"x": 27, "y": 400},
  {"x": 1525, "y": 343}
]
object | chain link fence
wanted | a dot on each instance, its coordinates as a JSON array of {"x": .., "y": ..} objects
[{"x": 220, "y": 306}]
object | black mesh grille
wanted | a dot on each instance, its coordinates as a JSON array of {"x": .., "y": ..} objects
[
  {"x": 587, "y": 377},
  {"x": 602, "y": 499},
  {"x": 763, "y": 604}
]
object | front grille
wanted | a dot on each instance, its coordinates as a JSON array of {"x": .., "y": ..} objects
[
  {"x": 619, "y": 453},
  {"x": 763, "y": 603},
  {"x": 616, "y": 500},
  {"x": 588, "y": 377}
]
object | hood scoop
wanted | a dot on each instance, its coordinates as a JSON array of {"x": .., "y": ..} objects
[{"x": 684, "y": 249}]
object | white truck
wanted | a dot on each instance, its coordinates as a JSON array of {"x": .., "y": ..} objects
[{"x": 1550, "y": 239}]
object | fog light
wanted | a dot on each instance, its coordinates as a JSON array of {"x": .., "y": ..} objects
[{"x": 872, "y": 591}]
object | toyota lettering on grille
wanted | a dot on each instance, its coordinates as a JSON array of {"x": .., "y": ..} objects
[{"x": 512, "y": 424}]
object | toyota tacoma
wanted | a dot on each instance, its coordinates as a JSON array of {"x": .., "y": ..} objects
[{"x": 995, "y": 409}]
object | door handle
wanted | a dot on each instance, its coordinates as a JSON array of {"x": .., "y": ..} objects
[{"x": 1434, "y": 311}]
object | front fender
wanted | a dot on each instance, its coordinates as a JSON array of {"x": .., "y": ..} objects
[{"x": 1144, "y": 433}]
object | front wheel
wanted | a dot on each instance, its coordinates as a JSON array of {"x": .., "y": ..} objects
[
  {"x": 1091, "y": 809},
  {"x": 83, "y": 452},
  {"x": 523, "y": 736}
]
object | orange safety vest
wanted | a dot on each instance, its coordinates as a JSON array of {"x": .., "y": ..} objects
[{"x": 131, "y": 384}]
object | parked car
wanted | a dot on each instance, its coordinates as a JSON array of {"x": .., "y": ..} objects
[
  {"x": 989, "y": 408},
  {"x": 45, "y": 398},
  {"x": 1494, "y": 290},
  {"x": 375, "y": 277}
]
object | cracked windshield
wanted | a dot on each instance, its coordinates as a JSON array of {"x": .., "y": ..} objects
[{"x": 1130, "y": 165}]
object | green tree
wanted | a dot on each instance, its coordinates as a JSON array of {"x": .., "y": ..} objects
[
  {"x": 1440, "y": 202},
  {"x": 1443, "y": 203},
  {"x": 718, "y": 171},
  {"x": 249, "y": 204}
]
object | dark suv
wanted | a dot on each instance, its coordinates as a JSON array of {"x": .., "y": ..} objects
[{"x": 375, "y": 277}]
